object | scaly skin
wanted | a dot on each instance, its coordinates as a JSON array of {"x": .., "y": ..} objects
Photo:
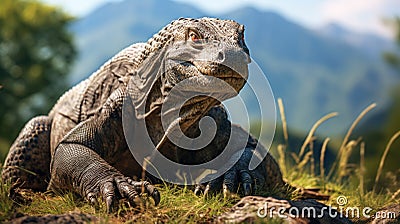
[{"x": 79, "y": 145}]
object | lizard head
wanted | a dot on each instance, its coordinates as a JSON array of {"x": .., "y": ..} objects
[
  {"x": 210, "y": 47},
  {"x": 205, "y": 46},
  {"x": 207, "y": 56},
  {"x": 198, "y": 52}
]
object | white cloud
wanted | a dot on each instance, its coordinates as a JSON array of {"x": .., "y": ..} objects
[
  {"x": 361, "y": 15},
  {"x": 358, "y": 15}
]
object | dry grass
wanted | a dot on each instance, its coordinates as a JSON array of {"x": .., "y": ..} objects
[
  {"x": 300, "y": 171},
  {"x": 310, "y": 135},
  {"x": 345, "y": 143},
  {"x": 362, "y": 168},
  {"x": 383, "y": 158},
  {"x": 322, "y": 159}
]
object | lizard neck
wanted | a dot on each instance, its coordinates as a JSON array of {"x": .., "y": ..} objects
[{"x": 189, "y": 115}]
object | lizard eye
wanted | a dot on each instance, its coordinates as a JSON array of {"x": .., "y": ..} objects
[{"x": 194, "y": 36}]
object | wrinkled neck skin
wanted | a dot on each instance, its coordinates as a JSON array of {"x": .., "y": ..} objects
[{"x": 190, "y": 115}]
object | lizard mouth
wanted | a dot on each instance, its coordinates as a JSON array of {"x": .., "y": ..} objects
[
  {"x": 229, "y": 75},
  {"x": 216, "y": 69},
  {"x": 197, "y": 79}
]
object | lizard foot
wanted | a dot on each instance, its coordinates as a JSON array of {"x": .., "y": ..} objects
[
  {"x": 118, "y": 186},
  {"x": 238, "y": 179}
]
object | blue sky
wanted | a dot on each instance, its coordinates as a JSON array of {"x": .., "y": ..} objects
[{"x": 358, "y": 15}]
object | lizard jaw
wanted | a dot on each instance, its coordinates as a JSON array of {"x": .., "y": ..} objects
[
  {"x": 216, "y": 69},
  {"x": 230, "y": 76}
]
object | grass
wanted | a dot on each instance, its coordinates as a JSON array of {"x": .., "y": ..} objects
[
  {"x": 177, "y": 205},
  {"x": 343, "y": 179},
  {"x": 180, "y": 205},
  {"x": 6, "y": 204}
]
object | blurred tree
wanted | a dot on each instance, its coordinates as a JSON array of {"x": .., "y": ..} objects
[
  {"x": 392, "y": 124},
  {"x": 36, "y": 50},
  {"x": 393, "y": 120},
  {"x": 391, "y": 57},
  {"x": 384, "y": 125}
]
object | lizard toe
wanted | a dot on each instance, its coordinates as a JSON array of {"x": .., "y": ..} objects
[
  {"x": 92, "y": 198},
  {"x": 199, "y": 189},
  {"x": 246, "y": 180},
  {"x": 146, "y": 187},
  {"x": 230, "y": 182},
  {"x": 213, "y": 186},
  {"x": 108, "y": 195}
]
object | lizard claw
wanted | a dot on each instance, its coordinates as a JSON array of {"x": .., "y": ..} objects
[
  {"x": 91, "y": 197},
  {"x": 199, "y": 189},
  {"x": 121, "y": 186},
  {"x": 246, "y": 180},
  {"x": 108, "y": 194},
  {"x": 230, "y": 183},
  {"x": 208, "y": 188},
  {"x": 146, "y": 187}
]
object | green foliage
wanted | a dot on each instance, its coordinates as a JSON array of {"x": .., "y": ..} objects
[
  {"x": 6, "y": 204},
  {"x": 391, "y": 57},
  {"x": 377, "y": 137},
  {"x": 36, "y": 50},
  {"x": 393, "y": 123}
]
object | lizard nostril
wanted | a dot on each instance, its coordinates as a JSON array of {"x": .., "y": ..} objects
[{"x": 220, "y": 56}]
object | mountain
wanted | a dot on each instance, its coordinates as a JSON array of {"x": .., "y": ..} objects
[
  {"x": 314, "y": 74},
  {"x": 313, "y": 71},
  {"x": 372, "y": 44},
  {"x": 116, "y": 25}
]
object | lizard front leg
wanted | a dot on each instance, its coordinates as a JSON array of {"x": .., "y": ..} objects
[
  {"x": 239, "y": 178},
  {"x": 78, "y": 167},
  {"x": 80, "y": 160}
]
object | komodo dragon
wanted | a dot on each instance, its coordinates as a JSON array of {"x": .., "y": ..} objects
[{"x": 80, "y": 145}]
